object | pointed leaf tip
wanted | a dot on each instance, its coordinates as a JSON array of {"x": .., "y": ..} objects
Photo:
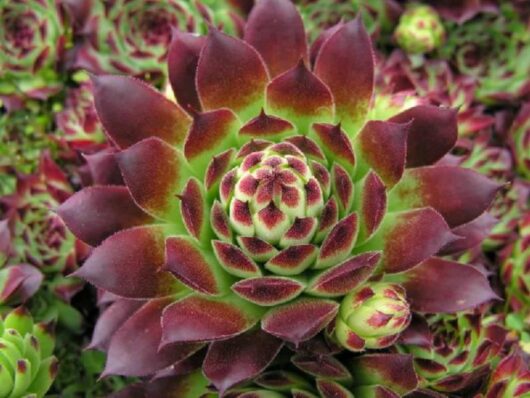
[
  {"x": 276, "y": 30},
  {"x": 131, "y": 110}
]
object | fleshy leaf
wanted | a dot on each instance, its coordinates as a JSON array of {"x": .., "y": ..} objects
[
  {"x": 438, "y": 285},
  {"x": 197, "y": 318},
  {"x": 103, "y": 168},
  {"x": 339, "y": 243},
  {"x": 233, "y": 361},
  {"x": 335, "y": 144},
  {"x": 131, "y": 111},
  {"x": 432, "y": 133},
  {"x": 129, "y": 263},
  {"x": 299, "y": 320},
  {"x": 182, "y": 60},
  {"x": 267, "y": 126},
  {"x": 471, "y": 234},
  {"x": 300, "y": 96},
  {"x": 275, "y": 29},
  {"x": 217, "y": 168},
  {"x": 194, "y": 266},
  {"x": 154, "y": 173},
  {"x": 193, "y": 210},
  {"x": 133, "y": 350},
  {"x": 110, "y": 320},
  {"x": 382, "y": 146},
  {"x": 343, "y": 278},
  {"x": 308, "y": 147},
  {"x": 301, "y": 232},
  {"x": 331, "y": 389},
  {"x": 395, "y": 371},
  {"x": 346, "y": 64},
  {"x": 231, "y": 74},
  {"x": 408, "y": 238},
  {"x": 268, "y": 290},
  {"x": 372, "y": 204},
  {"x": 219, "y": 222},
  {"x": 459, "y": 195},
  {"x": 328, "y": 219},
  {"x": 18, "y": 283},
  {"x": 234, "y": 261},
  {"x": 210, "y": 134},
  {"x": 324, "y": 366},
  {"x": 257, "y": 249},
  {"x": 95, "y": 213},
  {"x": 343, "y": 188},
  {"x": 320, "y": 40},
  {"x": 292, "y": 260}
]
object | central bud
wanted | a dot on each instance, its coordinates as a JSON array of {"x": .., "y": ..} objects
[{"x": 274, "y": 195}]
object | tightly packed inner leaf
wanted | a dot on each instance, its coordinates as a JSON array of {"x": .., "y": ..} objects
[{"x": 264, "y": 197}]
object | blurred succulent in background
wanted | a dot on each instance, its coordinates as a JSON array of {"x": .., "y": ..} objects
[
  {"x": 378, "y": 16},
  {"x": 32, "y": 41},
  {"x": 461, "y": 11},
  {"x": 455, "y": 353},
  {"x": 132, "y": 37},
  {"x": 39, "y": 238},
  {"x": 268, "y": 201},
  {"x": 77, "y": 123},
  {"x": 515, "y": 274},
  {"x": 420, "y": 29},
  {"x": 23, "y": 137},
  {"x": 520, "y": 141},
  {"x": 509, "y": 379},
  {"x": 494, "y": 49},
  {"x": 27, "y": 364},
  {"x": 436, "y": 83}
]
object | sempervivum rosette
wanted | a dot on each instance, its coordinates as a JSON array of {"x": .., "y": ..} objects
[
  {"x": 378, "y": 15},
  {"x": 31, "y": 44},
  {"x": 436, "y": 83},
  {"x": 515, "y": 269},
  {"x": 39, "y": 242},
  {"x": 420, "y": 30},
  {"x": 245, "y": 222},
  {"x": 18, "y": 282},
  {"x": 455, "y": 353},
  {"x": 27, "y": 366},
  {"x": 494, "y": 49},
  {"x": 77, "y": 123},
  {"x": 132, "y": 37},
  {"x": 520, "y": 141}
]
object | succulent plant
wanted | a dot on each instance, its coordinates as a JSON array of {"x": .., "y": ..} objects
[
  {"x": 461, "y": 11},
  {"x": 39, "y": 242},
  {"x": 508, "y": 208},
  {"x": 436, "y": 83},
  {"x": 520, "y": 141},
  {"x": 268, "y": 202},
  {"x": 32, "y": 40},
  {"x": 27, "y": 366},
  {"x": 509, "y": 379},
  {"x": 515, "y": 269},
  {"x": 23, "y": 138},
  {"x": 378, "y": 15},
  {"x": 420, "y": 29},
  {"x": 494, "y": 49},
  {"x": 132, "y": 37},
  {"x": 455, "y": 353},
  {"x": 372, "y": 317},
  {"x": 77, "y": 123}
]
